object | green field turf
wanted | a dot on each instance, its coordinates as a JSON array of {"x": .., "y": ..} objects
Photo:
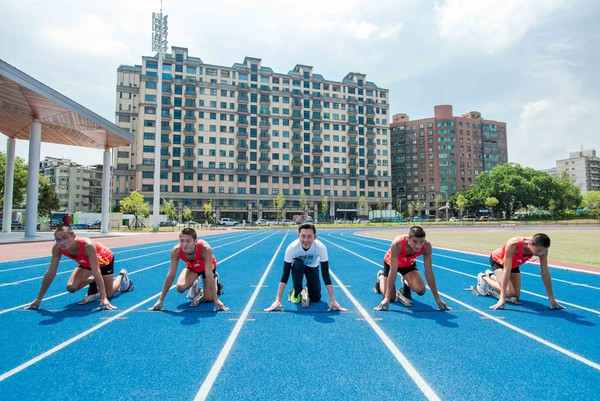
[{"x": 569, "y": 245}]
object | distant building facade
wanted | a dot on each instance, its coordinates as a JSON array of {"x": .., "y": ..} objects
[
  {"x": 442, "y": 154},
  {"x": 238, "y": 136},
  {"x": 583, "y": 167},
  {"x": 79, "y": 188}
]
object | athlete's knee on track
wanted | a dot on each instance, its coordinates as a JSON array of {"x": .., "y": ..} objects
[
  {"x": 180, "y": 287},
  {"x": 72, "y": 287}
]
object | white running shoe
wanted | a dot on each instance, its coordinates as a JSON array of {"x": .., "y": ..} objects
[
  {"x": 89, "y": 298},
  {"x": 193, "y": 292},
  {"x": 488, "y": 273},
  {"x": 126, "y": 284},
  {"x": 198, "y": 298},
  {"x": 481, "y": 285}
]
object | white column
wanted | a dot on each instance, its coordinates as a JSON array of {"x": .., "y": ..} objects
[
  {"x": 105, "y": 220},
  {"x": 9, "y": 180},
  {"x": 33, "y": 178}
]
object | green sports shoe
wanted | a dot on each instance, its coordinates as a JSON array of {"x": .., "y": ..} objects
[{"x": 294, "y": 298}]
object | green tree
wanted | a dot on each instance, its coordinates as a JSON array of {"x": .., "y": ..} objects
[
  {"x": 47, "y": 198},
  {"x": 325, "y": 206},
  {"x": 303, "y": 203},
  {"x": 461, "y": 203},
  {"x": 379, "y": 204},
  {"x": 491, "y": 203},
  {"x": 592, "y": 200},
  {"x": 419, "y": 207},
  {"x": 411, "y": 208},
  {"x": 279, "y": 203},
  {"x": 566, "y": 194},
  {"x": 186, "y": 213},
  {"x": 515, "y": 187},
  {"x": 169, "y": 209},
  {"x": 208, "y": 212},
  {"x": 439, "y": 202},
  {"x": 135, "y": 205},
  {"x": 363, "y": 206},
  {"x": 19, "y": 182}
]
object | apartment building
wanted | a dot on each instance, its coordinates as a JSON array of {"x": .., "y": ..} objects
[
  {"x": 583, "y": 167},
  {"x": 238, "y": 136},
  {"x": 442, "y": 154},
  {"x": 79, "y": 188}
]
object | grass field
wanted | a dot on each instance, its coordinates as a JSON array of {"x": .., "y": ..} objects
[{"x": 569, "y": 245}]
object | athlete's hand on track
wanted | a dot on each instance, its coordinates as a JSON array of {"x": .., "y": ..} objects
[
  {"x": 34, "y": 305},
  {"x": 274, "y": 305},
  {"x": 335, "y": 305},
  {"x": 157, "y": 306},
  {"x": 555, "y": 305},
  {"x": 385, "y": 304},
  {"x": 501, "y": 304},
  {"x": 219, "y": 306},
  {"x": 442, "y": 305},
  {"x": 106, "y": 302}
]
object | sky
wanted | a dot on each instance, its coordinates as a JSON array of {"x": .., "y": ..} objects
[{"x": 530, "y": 63}]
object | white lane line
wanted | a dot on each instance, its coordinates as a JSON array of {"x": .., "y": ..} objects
[
  {"x": 216, "y": 368},
  {"x": 119, "y": 261},
  {"x": 130, "y": 273},
  {"x": 70, "y": 341},
  {"x": 510, "y": 326},
  {"x": 527, "y": 334},
  {"x": 483, "y": 264},
  {"x": 408, "y": 367}
]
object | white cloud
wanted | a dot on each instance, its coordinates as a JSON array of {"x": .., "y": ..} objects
[
  {"x": 90, "y": 35},
  {"x": 490, "y": 25}
]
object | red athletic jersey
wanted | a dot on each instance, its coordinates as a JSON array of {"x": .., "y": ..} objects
[
  {"x": 197, "y": 264},
  {"x": 403, "y": 260},
  {"x": 518, "y": 258},
  {"x": 105, "y": 255}
]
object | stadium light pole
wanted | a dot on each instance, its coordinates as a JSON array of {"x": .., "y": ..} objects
[{"x": 159, "y": 44}]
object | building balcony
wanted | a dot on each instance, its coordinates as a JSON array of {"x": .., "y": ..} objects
[
  {"x": 352, "y": 143},
  {"x": 296, "y": 93},
  {"x": 264, "y": 159},
  {"x": 296, "y": 104},
  {"x": 371, "y": 155},
  {"x": 242, "y": 159},
  {"x": 242, "y": 147},
  {"x": 243, "y": 98},
  {"x": 317, "y": 151},
  {"x": 265, "y": 148},
  {"x": 243, "y": 109},
  {"x": 296, "y": 138},
  {"x": 296, "y": 161},
  {"x": 317, "y": 139},
  {"x": 242, "y": 123},
  {"x": 352, "y": 110},
  {"x": 317, "y": 128},
  {"x": 296, "y": 150},
  {"x": 296, "y": 127}
]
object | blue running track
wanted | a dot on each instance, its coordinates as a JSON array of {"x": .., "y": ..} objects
[{"x": 67, "y": 351}]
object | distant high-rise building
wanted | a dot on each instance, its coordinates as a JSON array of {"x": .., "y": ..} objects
[
  {"x": 442, "y": 155},
  {"x": 238, "y": 136},
  {"x": 79, "y": 188},
  {"x": 583, "y": 167}
]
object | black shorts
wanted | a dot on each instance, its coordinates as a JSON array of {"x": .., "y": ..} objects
[
  {"x": 401, "y": 270},
  {"x": 495, "y": 266},
  {"x": 105, "y": 270},
  {"x": 202, "y": 273}
]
